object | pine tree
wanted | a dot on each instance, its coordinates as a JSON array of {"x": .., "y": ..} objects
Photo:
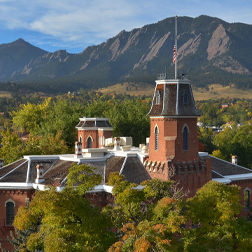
[{"x": 19, "y": 241}]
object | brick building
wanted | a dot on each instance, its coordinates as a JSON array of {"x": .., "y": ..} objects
[
  {"x": 92, "y": 132},
  {"x": 173, "y": 145}
]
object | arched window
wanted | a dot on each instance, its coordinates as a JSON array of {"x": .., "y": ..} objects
[
  {"x": 247, "y": 199},
  {"x": 89, "y": 142},
  {"x": 158, "y": 95},
  {"x": 156, "y": 138},
  {"x": 9, "y": 213},
  {"x": 80, "y": 139},
  {"x": 185, "y": 138}
]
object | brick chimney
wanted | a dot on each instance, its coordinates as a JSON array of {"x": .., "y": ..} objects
[
  {"x": 234, "y": 159},
  {"x": 78, "y": 150},
  {"x": 40, "y": 174}
]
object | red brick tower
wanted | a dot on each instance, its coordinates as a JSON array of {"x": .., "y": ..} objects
[
  {"x": 173, "y": 136},
  {"x": 92, "y": 132}
]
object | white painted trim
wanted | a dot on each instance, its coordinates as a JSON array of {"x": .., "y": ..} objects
[
  {"x": 185, "y": 125},
  {"x": 153, "y": 99},
  {"x": 164, "y": 99},
  {"x": 13, "y": 170},
  {"x": 10, "y": 200},
  {"x": 90, "y": 137},
  {"x": 173, "y": 81},
  {"x": 124, "y": 162},
  {"x": 222, "y": 180},
  {"x": 245, "y": 176},
  {"x": 94, "y": 128},
  {"x": 176, "y": 117},
  {"x": 93, "y": 119},
  {"x": 247, "y": 189},
  {"x": 42, "y": 157},
  {"x": 156, "y": 126}
]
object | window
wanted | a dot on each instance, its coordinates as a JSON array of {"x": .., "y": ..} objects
[
  {"x": 185, "y": 97},
  {"x": 185, "y": 138},
  {"x": 247, "y": 199},
  {"x": 9, "y": 213},
  {"x": 89, "y": 142},
  {"x": 80, "y": 139},
  {"x": 158, "y": 97},
  {"x": 156, "y": 138}
]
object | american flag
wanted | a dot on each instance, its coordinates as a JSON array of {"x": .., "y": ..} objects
[{"x": 174, "y": 54}]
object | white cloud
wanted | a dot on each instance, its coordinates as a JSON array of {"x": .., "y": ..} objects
[{"x": 93, "y": 21}]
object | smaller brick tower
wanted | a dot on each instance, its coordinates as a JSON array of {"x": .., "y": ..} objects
[
  {"x": 92, "y": 132},
  {"x": 173, "y": 143}
]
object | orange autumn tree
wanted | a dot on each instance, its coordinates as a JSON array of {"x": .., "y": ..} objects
[{"x": 148, "y": 218}]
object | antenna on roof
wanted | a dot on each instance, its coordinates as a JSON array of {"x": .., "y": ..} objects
[{"x": 175, "y": 48}]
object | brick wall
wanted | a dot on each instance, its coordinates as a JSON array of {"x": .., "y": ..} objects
[
  {"x": 244, "y": 185},
  {"x": 85, "y": 134},
  {"x": 104, "y": 134},
  {"x": 190, "y": 172},
  {"x": 19, "y": 197}
]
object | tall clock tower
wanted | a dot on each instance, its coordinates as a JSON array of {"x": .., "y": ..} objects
[{"x": 174, "y": 145}]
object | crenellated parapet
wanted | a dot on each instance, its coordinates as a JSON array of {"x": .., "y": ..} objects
[
  {"x": 154, "y": 166},
  {"x": 183, "y": 168}
]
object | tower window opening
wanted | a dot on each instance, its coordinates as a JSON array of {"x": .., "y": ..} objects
[
  {"x": 158, "y": 97},
  {"x": 185, "y": 138},
  {"x": 156, "y": 138},
  {"x": 185, "y": 97}
]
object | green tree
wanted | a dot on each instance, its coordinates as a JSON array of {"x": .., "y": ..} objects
[
  {"x": 235, "y": 141},
  {"x": 213, "y": 211},
  {"x": 206, "y": 135},
  {"x": 65, "y": 220}
]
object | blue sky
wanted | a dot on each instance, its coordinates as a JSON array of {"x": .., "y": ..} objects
[{"x": 75, "y": 24}]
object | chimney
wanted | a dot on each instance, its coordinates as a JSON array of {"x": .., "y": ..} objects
[
  {"x": 78, "y": 150},
  {"x": 1, "y": 163},
  {"x": 40, "y": 174},
  {"x": 234, "y": 159},
  {"x": 57, "y": 182},
  {"x": 116, "y": 143}
]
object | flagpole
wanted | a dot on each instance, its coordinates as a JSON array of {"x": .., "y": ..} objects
[{"x": 175, "y": 47}]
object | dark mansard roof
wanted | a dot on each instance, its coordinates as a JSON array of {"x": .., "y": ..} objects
[
  {"x": 56, "y": 169},
  {"x": 87, "y": 122},
  {"x": 173, "y": 98}
]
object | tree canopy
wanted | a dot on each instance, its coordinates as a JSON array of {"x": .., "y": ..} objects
[{"x": 65, "y": 221}]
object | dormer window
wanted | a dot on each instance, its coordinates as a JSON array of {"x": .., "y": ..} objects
[
  {"x": 185, "y": 97},
  {"x": 158, "y": 97}
]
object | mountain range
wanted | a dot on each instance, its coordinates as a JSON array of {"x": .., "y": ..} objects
[{"x": 210, "y": 50}]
